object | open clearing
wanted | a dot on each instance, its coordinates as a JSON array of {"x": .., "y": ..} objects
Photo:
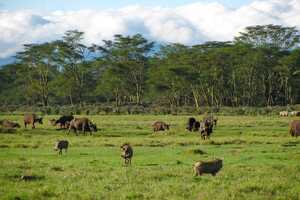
[{"x": 261, "y": 160}]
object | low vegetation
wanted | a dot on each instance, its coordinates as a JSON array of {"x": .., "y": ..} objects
[{"x": 260, "y": 160}]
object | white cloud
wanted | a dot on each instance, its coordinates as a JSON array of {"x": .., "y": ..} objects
[{"x": 188, "y": 24}]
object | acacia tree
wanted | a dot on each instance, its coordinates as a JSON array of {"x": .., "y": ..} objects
[
  {"x": 38, "y": 61},
  {"x": 73, "y": 64},
  {"x": 126, "y": 59}
]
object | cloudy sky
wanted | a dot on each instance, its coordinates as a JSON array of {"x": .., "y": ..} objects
[{"x": 183, "y": 21}]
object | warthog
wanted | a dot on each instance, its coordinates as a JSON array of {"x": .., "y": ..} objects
[
  {"x": 295, "y": 128},
  {"x": 32, "y": 119},
  {"x": 210, "y": 167},
  {"x": 9, "y": 124},
  {"x": 83, "y": 124},
  {"x": 127, "y": 153},
  {"x": 60, "y": 145},
  {"x": 160, "y": 126}
]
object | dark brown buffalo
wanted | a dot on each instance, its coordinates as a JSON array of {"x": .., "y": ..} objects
[
  {"x": 82, "y": 124},
  {"x": 191, "y": 123},
  {"x": 212, "y": 119},
  {"x": 127, "y": 153},
  {"x": 160, "y": 126},
  {"x": 295, "y": 128},
  {"x": 60, "y": 145},
  {"x": 64, "y": 121},
  {"x": 210, "y": 167},
  {"x": 9, "y": 124},
  {"x": 32, "y": 119}
]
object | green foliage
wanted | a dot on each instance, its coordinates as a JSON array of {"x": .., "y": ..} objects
[{"x": 260, "y": 68}]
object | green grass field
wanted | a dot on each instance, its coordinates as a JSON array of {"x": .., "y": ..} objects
[{"x": 261, "y": 160}]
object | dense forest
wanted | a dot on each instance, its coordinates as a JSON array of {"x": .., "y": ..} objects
[{"x": 260, "y": 67}]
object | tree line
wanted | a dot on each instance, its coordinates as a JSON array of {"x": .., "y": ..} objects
[{"x": 260, "y": 67}]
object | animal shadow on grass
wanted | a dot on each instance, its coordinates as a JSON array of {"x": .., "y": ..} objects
[
  {"x": 291, "y": 144},
  {"x": 32, "y": 178}
]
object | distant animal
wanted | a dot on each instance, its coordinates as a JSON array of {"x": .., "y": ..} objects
[
  {"x": 127, "y": 153},
  {"x": 284, "y": 113},
  {"x": 293, "y": 113},
  {"x": 160, "y": 126},
  {"x": 52, "y": 122},
  {"x": 83, "y": 124},
  {"x": 210, "y": 167},
  {"x": 206, "y": 128},
  {"x": 9, "y": 124},
  {"x": 63, "y": 121},
  {"x": 298, "y": 113},
  {"x": 211, "y": 118},
  {"x": 191, "y": 123},
  {"x": 295, "y": 128},
  {"x": 60, "y": 145},
  {"x": 32, "y": 119}
]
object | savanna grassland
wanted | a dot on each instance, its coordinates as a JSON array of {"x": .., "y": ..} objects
[{"x": 261, "y": 160}]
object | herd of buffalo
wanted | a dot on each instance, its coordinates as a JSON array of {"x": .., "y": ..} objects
[{"x": 204, "y": 128}]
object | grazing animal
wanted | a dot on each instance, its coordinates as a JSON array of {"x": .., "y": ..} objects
[
  {"x": 60, "y": 145},
  {"x": 32, "y": 119},
  {"x": 206, "y": 129},
  {"x": 293, "y": 113},
  {"x": 295, "y": 128},
  {"x": 212, "y": 119},
  {"x": 160, "y": 126},
  {"x": 284, "y": 113},
  {"x": 9, "y": 124},
  {"x": 63, "y": 121},
  {"x": 191, "y": 123},
  {"x": 83, "y": 124},
  {"x": 127, "y": 153},
  {"x": 210, "y": 167},
  {"x": 52, "y": 122}
]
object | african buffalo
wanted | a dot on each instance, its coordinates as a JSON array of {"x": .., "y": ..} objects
[
  {"x": 295, "y": 128},
  {"x": 63, "y": 121},
  {"x": 160, "y": 126},
  {"x": 83, "y": 124},
  {"x": 9, "y": 124},
  {"x": 191, "y": 123},
  {"x": 32, "y": 119}
]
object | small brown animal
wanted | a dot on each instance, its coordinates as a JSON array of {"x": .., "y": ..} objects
[
  {"x": 32, "y": 119},
  {"x": 9, "y": 124},
  {"x": 295, "y": 128},
  {"x": 210, "y": 167},
  {"x": 127, "y": 153},
  {"x": 60, "y": 145},
  {"x": 83, "y": 124},
  {"x": 52, "y": 122},
  {"x": 160, "y": 126},
  {"x": 211, "y": 119}
]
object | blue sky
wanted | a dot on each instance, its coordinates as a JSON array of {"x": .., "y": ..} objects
[
  {"x": 192, "y": 22},
  {"x": 50, "y": 5}
]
